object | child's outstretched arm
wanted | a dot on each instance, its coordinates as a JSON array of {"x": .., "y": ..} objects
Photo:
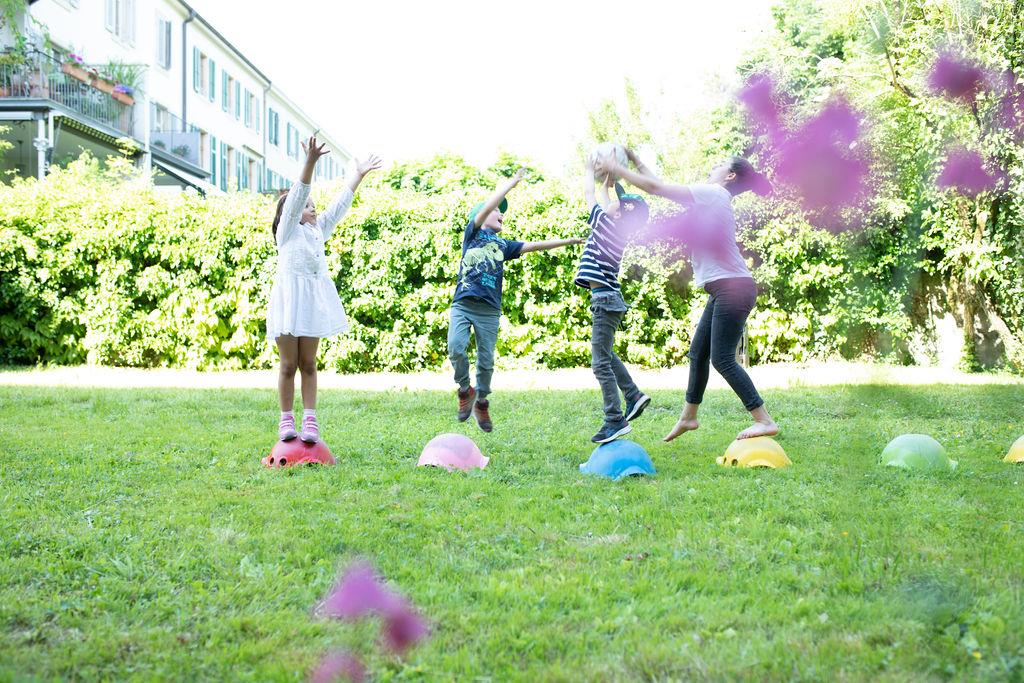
[
  {"x": 499, "y": 194},
  {"x": 363, "y": 167},
  {"x": 588, "y": 183},
  {"x": 641, "y": 168},
  {"x": 341, "y": 204},
  {"x": 609, "y": 205},
  {"x": 680, "y": 194},
  {"x": 298, "y": 193},
  {"x": 548, "y": 244}
]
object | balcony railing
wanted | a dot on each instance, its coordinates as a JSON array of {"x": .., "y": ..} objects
[
  {"x": 43, "y": 77},
  {"x": 166, "y": 134}
]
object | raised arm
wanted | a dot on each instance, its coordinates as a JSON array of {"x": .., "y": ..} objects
[
  {"x": 313, "y": 153},
  {"x": 680, "y": 194},
  {"x": 588, "y": 183},
  {"x": 341, "y": 204},
  {"x": 363, "y": 167},
  {"x": 495, "y": 200},
  {"x": 548, "y": 244},
  {"x": 641, "y": 168},
  {"x": 607, "y": 204}
]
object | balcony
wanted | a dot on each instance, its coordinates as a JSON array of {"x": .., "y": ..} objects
[
  {"x": 166, "y": 135},
  {"x": 40, "y": 77}
]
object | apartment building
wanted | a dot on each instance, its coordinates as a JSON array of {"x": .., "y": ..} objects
[{"x": 91, "y": 72}]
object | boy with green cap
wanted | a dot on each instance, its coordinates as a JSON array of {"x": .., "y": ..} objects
[{"x": 477, "y": 301}]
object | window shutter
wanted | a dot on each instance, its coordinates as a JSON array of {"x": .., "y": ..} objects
[
  {"x": 213, "y": 161},
  {"x": 224, "y": 90},
  {"x": 213, "y": 81},
  {"x": 111, "y": 15},
  {"x": 195, "y": 69},
  {"x": 258, "y": 116},
  {"x": 238, "y": 100},
  {"x": 128, "y": 30}
]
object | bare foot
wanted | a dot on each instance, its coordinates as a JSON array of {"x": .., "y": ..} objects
[
  {"x": 681, "y": 427},
  {"x": 759, "y": 429}
]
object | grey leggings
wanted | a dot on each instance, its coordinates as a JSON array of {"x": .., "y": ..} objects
[{"x": 717, "y": 336}]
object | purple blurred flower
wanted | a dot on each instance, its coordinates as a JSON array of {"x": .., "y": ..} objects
[
  {"x": 1011, "y": 106},
  {"x": 965, "y": 172},
  {"x": 337, "y": 665},
  {"x": 957, "y": 77},
  {"x": 403, "y": 629},
  {"x": 759, "y": 96},
  {"x": 819, "y": 160},
  {"x": 360, "y": 592}
]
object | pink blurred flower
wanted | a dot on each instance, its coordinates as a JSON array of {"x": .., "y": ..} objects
[
  {"x": 759, "y": 96},
  {"x": 403, "y": 629},
  {"x": 819, "y": 160},
  {"x": 965, "y": 172},
  {"x": 338, "y": 665},
  {"x": 957, "y": 77},
  {"x": 360, "y": 592}
]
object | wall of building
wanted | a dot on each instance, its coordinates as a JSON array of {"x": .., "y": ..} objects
[{"x": 227, "y": 137}]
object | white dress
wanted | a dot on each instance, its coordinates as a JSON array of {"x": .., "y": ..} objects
[{"x": 304, "y": 301}]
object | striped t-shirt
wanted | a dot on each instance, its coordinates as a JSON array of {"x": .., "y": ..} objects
[{"x": 602, "y": 253}]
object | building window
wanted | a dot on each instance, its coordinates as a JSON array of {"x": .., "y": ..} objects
[
  {"x": 161, "y": 119},
  {"x": 293, "y": 141},
  {"x": 120, "y": 19},
  {"x": 273, "y": 128},
  {"x": 212, "y": 81},
  {"x": 248, "y": 108},
  {"x": 204, "y": 74},
  {"x": 204, "y": 141},
  {"x": 163, "y": 43}
]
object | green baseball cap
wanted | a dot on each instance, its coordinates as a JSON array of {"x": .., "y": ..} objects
[{"x": 503, "y": 207}]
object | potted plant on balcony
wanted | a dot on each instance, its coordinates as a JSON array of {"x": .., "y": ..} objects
[
  {"x": 101, "y": 83},
  {"x": 181, "y": 151},
  {"x": 124, "y": 94},
  {"x": 74, "y": 66},
  {"x": 12, "y": 70}
]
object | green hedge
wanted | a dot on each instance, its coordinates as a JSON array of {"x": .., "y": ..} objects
[{"x": 98, "y": 266}]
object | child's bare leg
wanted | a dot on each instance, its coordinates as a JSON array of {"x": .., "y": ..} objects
[
  {"x": 307, "y": 367},
  {"x": 763, "y": 425},
  {"x": 687, "y": 422},
  {"x": 288, "y": 347}
]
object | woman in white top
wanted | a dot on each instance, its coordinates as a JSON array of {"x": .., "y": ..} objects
[
  {"x": 719, "y": 268},
  {"x": 304, "y": 304}
]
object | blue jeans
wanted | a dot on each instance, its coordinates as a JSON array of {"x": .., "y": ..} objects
[
  {"x": 608, "y": 309},
  {"x": 484, "y": 320},
  {"x": 717, "y": 336}
]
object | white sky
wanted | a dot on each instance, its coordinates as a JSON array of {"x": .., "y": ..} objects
[{"x": 410, "y": 79}]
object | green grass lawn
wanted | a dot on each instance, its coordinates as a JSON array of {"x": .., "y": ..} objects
[{"x": 143, "y": 539}]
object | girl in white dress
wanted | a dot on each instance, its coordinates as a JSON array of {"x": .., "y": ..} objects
[{"x": 304, "y": 304}]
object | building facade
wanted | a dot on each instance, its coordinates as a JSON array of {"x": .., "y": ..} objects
[{"x": 86, "y": 74}]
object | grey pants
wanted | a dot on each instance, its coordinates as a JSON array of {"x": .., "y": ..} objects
[
  {"x": 608, "y": 309},
  {"x": 468, "y": 314}
]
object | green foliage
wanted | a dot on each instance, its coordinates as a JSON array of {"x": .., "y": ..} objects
[{"x": 97, "y": 266}]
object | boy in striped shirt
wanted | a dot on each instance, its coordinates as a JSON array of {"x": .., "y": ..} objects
[{"x": 610, "y": 222}]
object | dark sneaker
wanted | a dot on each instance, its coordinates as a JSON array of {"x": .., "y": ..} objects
[
  {"x": 634, "y": 409},
  {"x": 610, "y": 432},
  {"x": 466, "y": 397},
  {"x": 483, "y": 417}
]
